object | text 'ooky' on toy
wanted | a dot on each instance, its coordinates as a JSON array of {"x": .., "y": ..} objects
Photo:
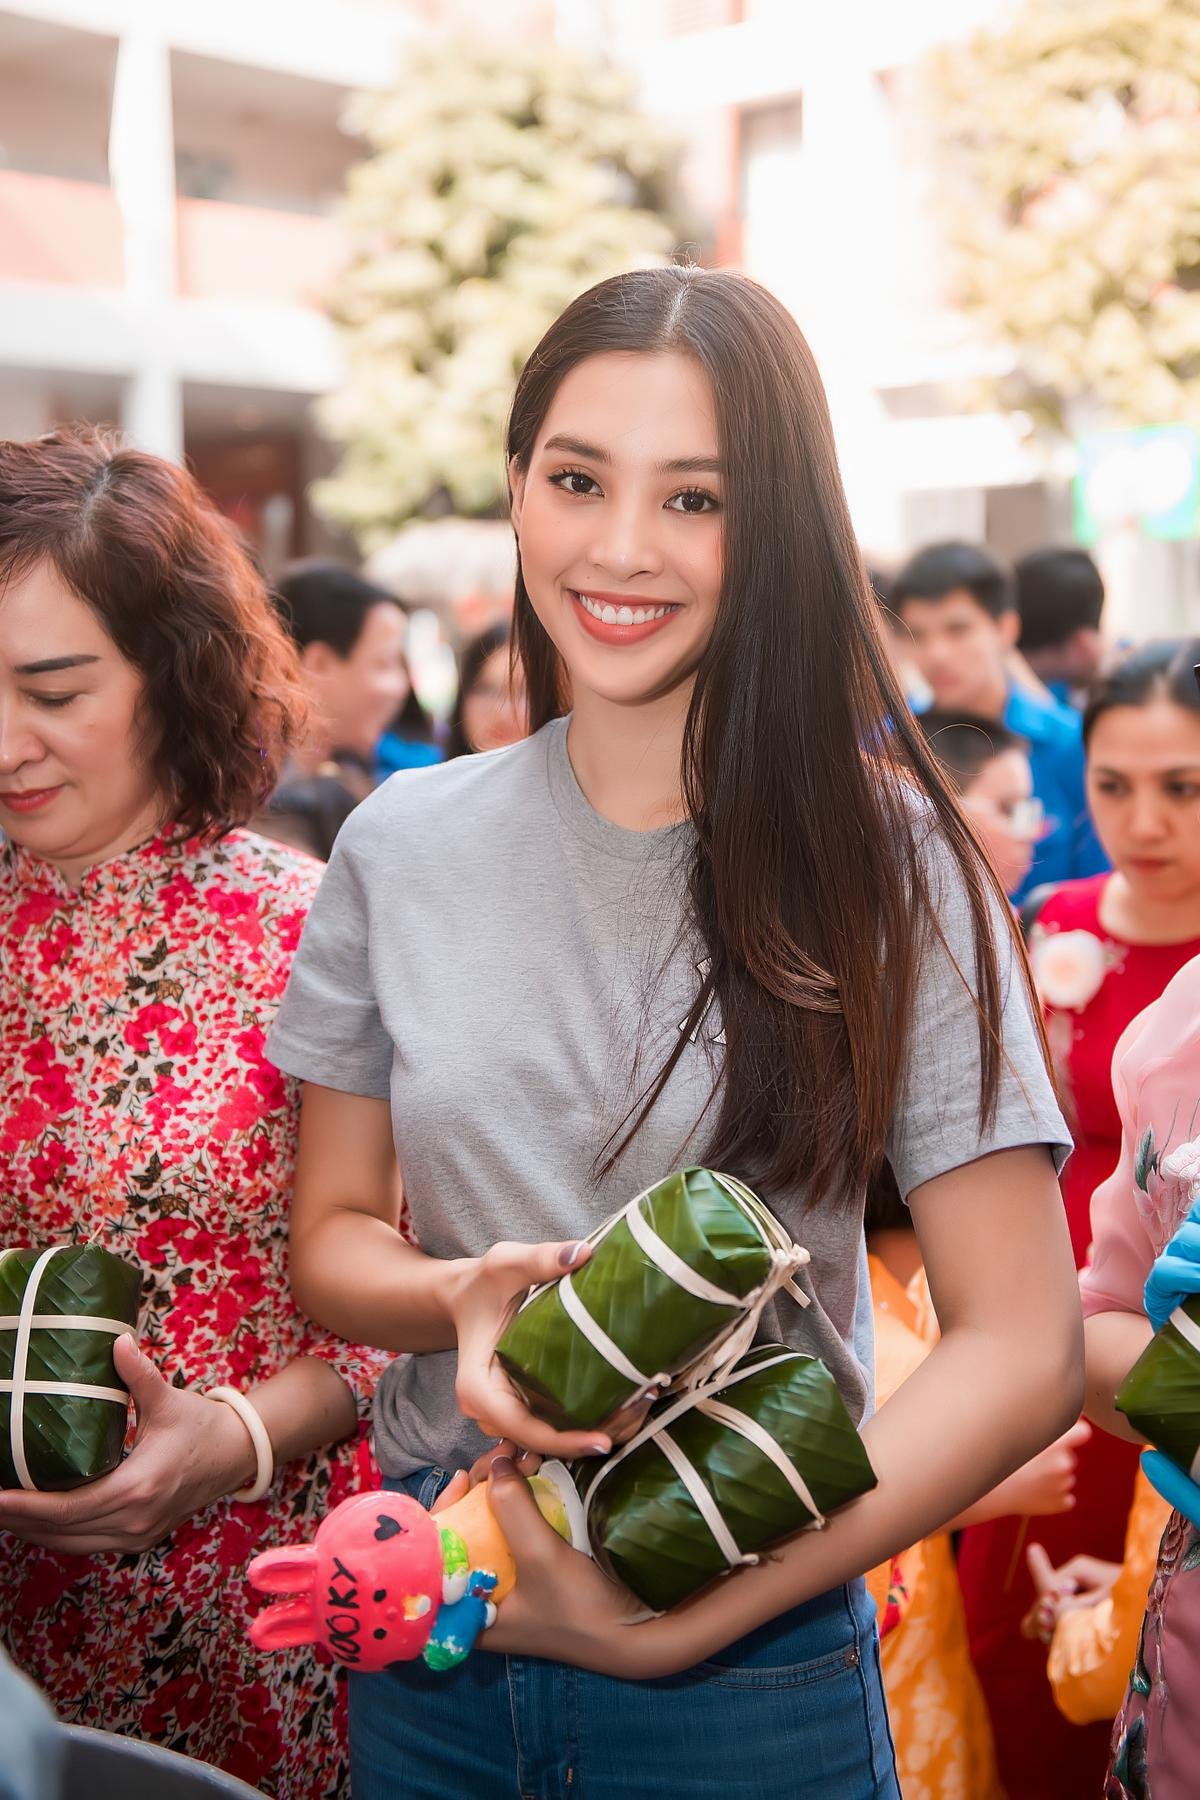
[{"x": 385, "y": 1581}]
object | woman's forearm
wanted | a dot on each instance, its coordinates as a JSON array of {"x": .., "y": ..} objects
[
  {"x": 355, "y": 1274},
  {"x": 976, "y": 1408},
  {"x": 1114, "y": 1341},
  {"x": 304, "y": 1407}
]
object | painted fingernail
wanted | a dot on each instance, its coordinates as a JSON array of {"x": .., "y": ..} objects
[
  {"x": 600, "y": 1447},
  {"x": 503, "y": 1467},
  {"x": 568, "y": 1256}
]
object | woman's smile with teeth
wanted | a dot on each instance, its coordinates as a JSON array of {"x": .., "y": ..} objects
[{"x": 621, "y": 615}]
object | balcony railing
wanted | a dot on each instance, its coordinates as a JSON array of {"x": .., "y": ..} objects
[
  {"x": 228, "y": 252},
  {"x": 69, "y": 234},
  {"x": 58, "y": 232}
]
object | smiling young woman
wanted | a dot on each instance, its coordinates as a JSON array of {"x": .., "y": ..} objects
[{"x": 712, "y": 916}]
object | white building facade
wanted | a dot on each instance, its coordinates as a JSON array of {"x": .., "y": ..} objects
[
  {"x": 170, "y": 169},
  {"x": 168, "y": 175}
]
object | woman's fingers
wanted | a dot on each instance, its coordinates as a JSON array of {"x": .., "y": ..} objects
[
  {"x": 519, "y": 1266},
  {"x": 486, "y": 1395},
  {"x": 1041, "y": 1569},
  {"x": 502, "y": 1414}
]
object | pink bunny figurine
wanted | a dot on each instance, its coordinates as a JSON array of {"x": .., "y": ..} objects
[
  {"x": 384, "y": 1581},
  {"x": 369, "y": 1585}
]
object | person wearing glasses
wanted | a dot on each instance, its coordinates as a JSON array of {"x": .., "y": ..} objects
[
  {"x": 988, "y": 766},
  {"x": 1102, "y": 948}
]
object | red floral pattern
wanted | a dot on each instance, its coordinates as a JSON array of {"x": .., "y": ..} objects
[{"x": 139, "y": 1110}]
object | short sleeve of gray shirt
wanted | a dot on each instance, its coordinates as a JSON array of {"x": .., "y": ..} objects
[
  {"x": 936, "y": 1127},
  {"x": 507, "y": 967}
]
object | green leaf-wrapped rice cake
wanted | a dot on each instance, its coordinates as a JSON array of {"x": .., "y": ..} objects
[
  {"x": 1160, "y": 1396},
  {"x": 719, "y": 1474},
  {"x": 63, "y": 1408},
  {"x": 681, "y": 1272}
]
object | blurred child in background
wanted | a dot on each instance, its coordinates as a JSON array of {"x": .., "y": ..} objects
[
  {"x": 989, "y": 767},
  {"x": 490, "y": 710}
]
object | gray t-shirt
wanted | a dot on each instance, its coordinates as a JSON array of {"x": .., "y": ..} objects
[{"x": 511, "y": 969}]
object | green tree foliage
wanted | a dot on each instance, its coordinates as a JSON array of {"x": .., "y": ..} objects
[
  {"x": 501, "y": 183},
  {"x": 1067, "y": 166}
]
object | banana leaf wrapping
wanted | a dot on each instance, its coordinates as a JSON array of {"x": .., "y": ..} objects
[
  {"x": 1160, "y": 1396},
  {"x": 54, "y": 1432},
  {"x": 661, "y": 1290},
  {"x": 694, "y": 1494}
]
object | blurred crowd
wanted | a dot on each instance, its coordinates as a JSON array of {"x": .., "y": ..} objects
[{"x": 1076, "y": 760}]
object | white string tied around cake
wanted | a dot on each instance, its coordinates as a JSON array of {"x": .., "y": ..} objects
[
  {"x": 785, "y": 1259},
  {"x": 656, "y": 1431}
]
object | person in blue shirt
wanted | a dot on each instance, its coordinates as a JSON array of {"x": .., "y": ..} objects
[
  {"x": 957, "y": 606},
  {"x": 1060, "y": 598},
  {"x": 350, "y": 635}
]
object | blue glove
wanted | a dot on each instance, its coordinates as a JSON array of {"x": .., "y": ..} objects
[
  {"x": 1176, "y": 1488},
  {"x": 1175, "y": 1276}
]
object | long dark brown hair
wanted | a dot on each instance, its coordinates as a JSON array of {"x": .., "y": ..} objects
[{"x": 802, "y": 765}]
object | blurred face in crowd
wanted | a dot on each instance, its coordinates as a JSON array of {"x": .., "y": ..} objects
[
  {"x": 357, "y": 696},
  {"x": 494, "y": 712},
  {"x": 1002, "y": 809},
  {"x": 77, "y": 783},
  {"x": 1143, "y": 788},
  {"x": 1076, "y": 660},
  {"x": 618, "y": 521},
  {"x": 959, "y": 650}
]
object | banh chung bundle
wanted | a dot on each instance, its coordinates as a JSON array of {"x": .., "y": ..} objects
[
  {"x": 676, "y": 1281},
  {"x": 743, "y": 1444},
  {"x": 63, "y": 1408}
]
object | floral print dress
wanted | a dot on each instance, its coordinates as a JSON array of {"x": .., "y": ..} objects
[
  {"x": 1156, "y": 1079},
  {"x": 139, "y": 1111}
]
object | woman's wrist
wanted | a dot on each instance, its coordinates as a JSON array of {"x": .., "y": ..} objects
[
  {"x": 455, "y": 1276},
  {"x": 235, "y": 1459}
]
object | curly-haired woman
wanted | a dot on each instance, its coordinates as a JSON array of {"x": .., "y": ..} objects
[{"x": 146, "y": 696}]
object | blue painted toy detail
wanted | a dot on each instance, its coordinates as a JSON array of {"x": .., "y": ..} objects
[{"x": 460, "y": 1623}]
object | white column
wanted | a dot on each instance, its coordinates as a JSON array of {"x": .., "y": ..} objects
[
  {"x": 141, "y": 158},
  {"x": 152, "y": 410}
]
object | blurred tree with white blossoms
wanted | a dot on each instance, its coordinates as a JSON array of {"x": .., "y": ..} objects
[
  {"x": 1066, "y": 167},
  {"x": 501, "y": 182}
]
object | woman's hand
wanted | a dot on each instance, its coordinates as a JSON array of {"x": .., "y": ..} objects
[
  {"x": 463, "y": 1480},
  {"x": 1081, "y": 1582},
  {"x": 1043, "y": 1485},
  {"x": 1175, "y": 1275},
  {"x": 485, "y": 1294},
  {"x": 1046, "y": 1483},
  {"x": 188, "y": 1452},
  {"x": 562, "y": 1607}
]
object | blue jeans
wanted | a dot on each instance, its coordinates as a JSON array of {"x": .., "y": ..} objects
[{"x": 794, "y": 1711}]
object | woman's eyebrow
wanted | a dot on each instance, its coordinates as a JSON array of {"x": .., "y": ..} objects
[
  {"x": 51, "y": 665},
  {"x": 679, "y": 465},
  {"x": 1161, "y": 774}
]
